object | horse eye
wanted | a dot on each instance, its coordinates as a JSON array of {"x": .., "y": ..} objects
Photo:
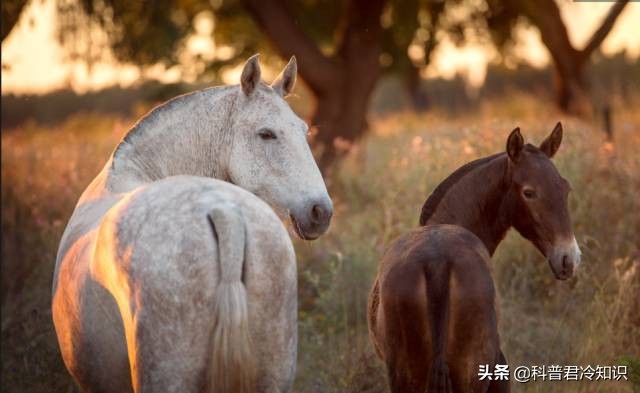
[
  {"x": 266, "y": 134},
  {"x": 529, "y": 193}
]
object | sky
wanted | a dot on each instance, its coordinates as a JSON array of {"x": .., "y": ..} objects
[{"x": 34, "y": 62}]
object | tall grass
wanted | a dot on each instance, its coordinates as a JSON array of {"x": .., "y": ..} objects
[
  {"x": 44, "y": 171},
  {"x": 378, "y": 191}
]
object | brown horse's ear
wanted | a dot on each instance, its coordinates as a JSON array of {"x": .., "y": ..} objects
[
  {"x": 515, "y": 143},
  {"x": 285, "y": 82},
  {"x": 550, "y": 145},
  {"x": 250, "y": 75}
]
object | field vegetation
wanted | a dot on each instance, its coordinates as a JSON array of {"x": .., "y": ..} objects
[{"x": 378, "y": 190}]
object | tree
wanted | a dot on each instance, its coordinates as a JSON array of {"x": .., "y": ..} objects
[
  {"x": 408, "y": 30},
  {"x": 11, "y": 10},
  {"x": 341, "y": 81},
  {"x": 571, "y": 86},
  {"x": 342, "y": 46}
]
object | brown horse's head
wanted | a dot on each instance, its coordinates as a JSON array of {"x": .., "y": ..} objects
[{"x": 539, "y": 196}]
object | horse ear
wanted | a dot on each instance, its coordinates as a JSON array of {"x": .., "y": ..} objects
[
  {"x": 515, "y": 143},
  {"x": 550, "y": 145},
  {"x": 250, "y": 75},
  {"x": 284, "y": 83}
]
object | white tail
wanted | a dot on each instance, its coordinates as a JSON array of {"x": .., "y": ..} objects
[{"x": 232, "y": 364}]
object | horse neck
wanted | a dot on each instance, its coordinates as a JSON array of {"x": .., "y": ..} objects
[
  {"x": 189, "y": 135},
  {"x": 479, "y": 202}
]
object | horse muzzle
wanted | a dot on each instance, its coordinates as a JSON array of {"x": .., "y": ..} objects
[
  {"x": 565, "y": 259},
  {"x": 313, "y": 220}
]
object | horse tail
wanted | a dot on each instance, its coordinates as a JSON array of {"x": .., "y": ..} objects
[
  {"x": 232, "y": 364},
  {"x": 437, "y": 276}
]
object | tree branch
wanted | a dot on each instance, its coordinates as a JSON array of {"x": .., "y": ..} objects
[
  {"x": 363, "y": 23},
  {"x": 11, "y": 10},
  {"x": 545, "y": 15},
  {"x": 317, "y": 70},
  {"x": 607, "y": 24}
]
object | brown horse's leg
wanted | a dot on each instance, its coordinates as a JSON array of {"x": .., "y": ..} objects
[
  {"x": 415, "y": 301},
  {"x": 403, "y": 334},
  {"x": 399, "y": 380},
  {"x": 500, "y": 386}
]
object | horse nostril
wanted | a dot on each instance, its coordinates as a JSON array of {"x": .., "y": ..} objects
[
  {"x": 320, "y": 214},
  {"x": 315, "y": 212},
  {"x": 566, "y": 264}
]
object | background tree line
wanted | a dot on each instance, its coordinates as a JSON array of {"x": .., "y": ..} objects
[{"x": 343, "y": 46}]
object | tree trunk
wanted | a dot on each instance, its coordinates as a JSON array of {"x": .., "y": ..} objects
[
  {"x": 342, "y": 83},
  {"x": 342, "y": 107},
  {"x": 572, "y": 93},
  {"x": 417, "y": 96},
  {"x": 11, "y": 10},
  {"x": 340, "y": 116},
  {"x": 572, "y": 90},
  {"x": 571, "y": 86}
]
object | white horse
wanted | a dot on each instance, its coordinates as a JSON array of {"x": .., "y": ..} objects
[{"x": 168, "y": 280}]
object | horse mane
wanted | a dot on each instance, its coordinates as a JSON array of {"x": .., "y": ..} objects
[
  {"x": 432, "y": 202},
  {"x": 146, "y": 122},
  {"x": 141, "y": 126}
]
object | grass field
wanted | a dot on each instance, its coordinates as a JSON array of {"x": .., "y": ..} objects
[{"x": 378, "y": 191}]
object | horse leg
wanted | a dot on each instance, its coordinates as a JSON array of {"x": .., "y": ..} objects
[
  {"x": 473, "y": 329},
  {"x": 90, "y": 333},
  {"x": 398, "y": 380},
  {"x": 273, "y": 306},
  {"x": 165, "y": 292},
  {"x": 501, "y": 386},
  {"x": 181, "y": 305},
  {"x": 172, "y": 347},
  {"x": 169, "y": 319},
  {"x": 403, "y": 333}
]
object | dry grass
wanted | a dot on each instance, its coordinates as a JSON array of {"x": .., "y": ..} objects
[{"x": 378, "y": 192}]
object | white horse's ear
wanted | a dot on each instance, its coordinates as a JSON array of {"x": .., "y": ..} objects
[
  {"x": 250, "y": 77},
  {"x": 285, "y": 82}
]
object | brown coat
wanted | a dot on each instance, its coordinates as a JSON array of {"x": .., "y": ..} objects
[{"x": 431, "y": 312}]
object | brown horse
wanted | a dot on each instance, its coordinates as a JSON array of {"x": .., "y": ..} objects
[{"x": 432, "y": 317}]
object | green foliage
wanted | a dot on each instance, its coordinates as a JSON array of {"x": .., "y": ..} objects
[
  {"x": 633, "y": 366},
  {"x": 145, "y": 32},
  {"x": 141, "y": 32},
  {"x": 502, "y": 17}
]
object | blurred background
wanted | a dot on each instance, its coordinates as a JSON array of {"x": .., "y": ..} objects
[{"x": 399, "y": 94}]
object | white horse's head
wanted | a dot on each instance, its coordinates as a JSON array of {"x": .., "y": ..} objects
[{"x": 270, "y": 155}]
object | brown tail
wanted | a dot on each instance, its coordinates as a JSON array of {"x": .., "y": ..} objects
[
  {"x": 232, "y": 364},
  {"x": 437, "y": 279}
]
